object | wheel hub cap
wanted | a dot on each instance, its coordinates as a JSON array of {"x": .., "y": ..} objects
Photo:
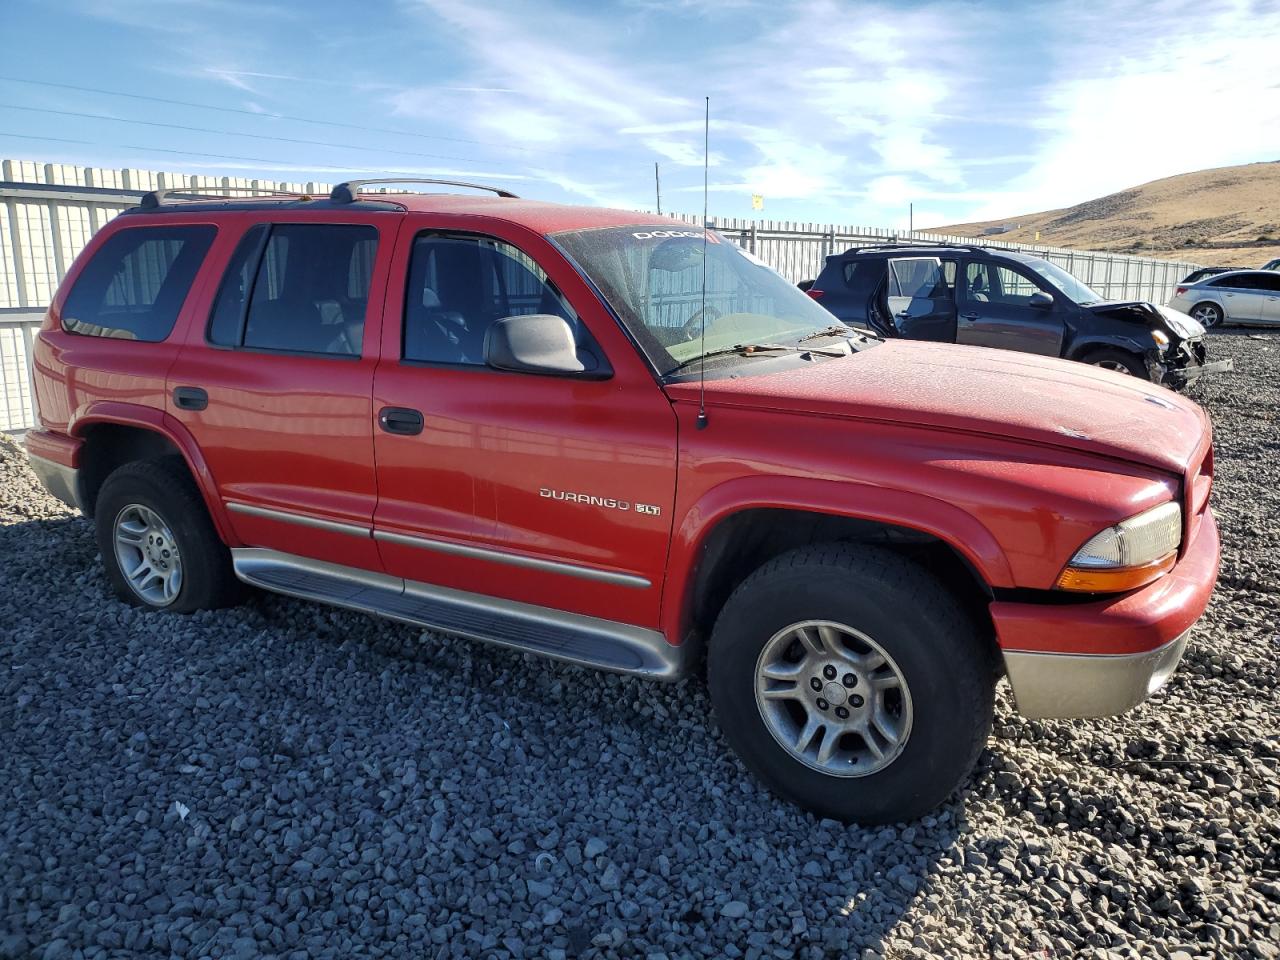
[
  {"x": 834, "y": 694},
  {"x": 148, "y": 555},
  {"x": 833, "y": 698}
]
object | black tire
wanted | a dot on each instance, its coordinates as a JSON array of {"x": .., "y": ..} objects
[
  {"x": 945, "y": 661},
  {"x": 164, "y": 486},
  {"x": 1211, "y": 315},
  {"x": 1121, "y": 361}
]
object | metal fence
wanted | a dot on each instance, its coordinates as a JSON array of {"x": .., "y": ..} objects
[
  {"x": 798, "y": 250},
  {"x": 48, "y": 212}
]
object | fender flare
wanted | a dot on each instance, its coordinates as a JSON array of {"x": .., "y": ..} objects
[
  {"x": 158, "y": 421},
  {"x": 1089, "y": 342},
  {"x": 903, "y": 508}
]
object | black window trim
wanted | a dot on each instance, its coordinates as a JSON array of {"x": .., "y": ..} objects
[
  {"x": 605, "y": 370},
  {"x": 239, "y": 346},
  {"x": 132, "y": 228}
]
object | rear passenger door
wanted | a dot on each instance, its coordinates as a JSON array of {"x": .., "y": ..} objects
[
  {"x": 995, "y": 310},
  {"x": 1271, "y": 304},
  {"x": 1241, "y": 296},
  {"x": 920, "y": 301},
  {"x": 277, "y": 385}
]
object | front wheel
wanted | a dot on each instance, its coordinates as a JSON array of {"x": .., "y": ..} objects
[
  {"x": 1121, "y": 361},
  {"x": 851, "y": 682}
]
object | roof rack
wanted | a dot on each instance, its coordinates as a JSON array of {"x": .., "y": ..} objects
[
  {"x": 156, "y": 198},
  {"x": 916, "y": 245},
  {"x": 349, "y": 191}
]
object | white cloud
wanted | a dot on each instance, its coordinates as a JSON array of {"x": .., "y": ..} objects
[{"x": 1199, "y": 91}]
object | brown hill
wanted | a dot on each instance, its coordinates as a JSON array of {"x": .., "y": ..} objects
[{"x": 1227, "y": 216}]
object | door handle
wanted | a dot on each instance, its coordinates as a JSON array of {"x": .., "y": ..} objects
[
  {"x": 970, "y": 316},
  {"x": 190, "y": 398},
  {"x": 400, "y": 420}
]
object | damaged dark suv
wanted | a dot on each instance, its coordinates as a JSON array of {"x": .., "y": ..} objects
[{"x": 999, "y": 298}]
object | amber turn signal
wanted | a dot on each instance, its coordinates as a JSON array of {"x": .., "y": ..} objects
[{"x": 1101, "y": 580}]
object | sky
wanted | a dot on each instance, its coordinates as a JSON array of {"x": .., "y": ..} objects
[{"x": 833, "y": 112}]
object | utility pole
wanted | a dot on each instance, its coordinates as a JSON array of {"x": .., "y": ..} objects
[
  {"x": 911, "y": 220},
  {"x": 657, "y": 186}
]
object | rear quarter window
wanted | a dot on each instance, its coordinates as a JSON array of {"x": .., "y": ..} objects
[{"x": 136, "y": 283}]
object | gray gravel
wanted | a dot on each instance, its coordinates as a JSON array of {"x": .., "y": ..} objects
[{"x": 289, "y": 780}]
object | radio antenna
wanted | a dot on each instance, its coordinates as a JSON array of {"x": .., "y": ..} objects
[{"x": 702, "y": 372}]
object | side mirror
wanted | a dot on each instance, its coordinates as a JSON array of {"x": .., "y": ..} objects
[
  {"x": 532, "y": 343},
  {"x": 1041, "y": 300}
]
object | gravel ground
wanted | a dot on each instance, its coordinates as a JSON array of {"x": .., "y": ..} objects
[{"x": 290, "y": 780}]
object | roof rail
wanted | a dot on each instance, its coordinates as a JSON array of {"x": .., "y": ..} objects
[
  {"x": 349, "y": 191},
  {"x": 156, "y": 198},
  {"x": 918, "y": 244}
]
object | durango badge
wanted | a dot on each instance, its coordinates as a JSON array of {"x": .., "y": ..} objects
[{"x": 608, "y": 503}]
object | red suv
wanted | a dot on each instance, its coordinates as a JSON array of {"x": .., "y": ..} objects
[{"x": 622, "y": 442}]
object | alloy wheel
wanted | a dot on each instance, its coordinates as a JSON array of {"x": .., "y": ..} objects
[
  {"x": 147, "y": 553},
  {"x": 833, "y": 698}
]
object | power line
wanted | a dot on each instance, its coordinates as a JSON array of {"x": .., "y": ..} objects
[
  {"x": 275, "y": 116},
  {"x": 183, "y": 153},
  {"x": 232, "y": 133}
]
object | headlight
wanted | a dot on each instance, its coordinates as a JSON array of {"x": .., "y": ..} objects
[
  {"x": 1128, "y": 555},
  {"x": 1161, "y": 338}
]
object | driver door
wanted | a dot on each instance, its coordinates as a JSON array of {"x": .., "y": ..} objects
[
  {"x": 548, "y": 490},
  {"x": 921, "y": 303},
  {"x": 995, "y": 311}
]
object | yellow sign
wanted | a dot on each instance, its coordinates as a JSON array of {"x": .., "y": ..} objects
[{"x": 757, "y": 201}]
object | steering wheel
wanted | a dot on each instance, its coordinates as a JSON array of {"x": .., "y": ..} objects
[{"x": 692, "y": 328}]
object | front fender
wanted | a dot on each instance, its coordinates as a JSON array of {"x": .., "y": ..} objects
[
  {"x": 1086, "y": 344},
  {"x": 853, "y": 499}
]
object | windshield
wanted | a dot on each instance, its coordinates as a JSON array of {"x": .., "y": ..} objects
[
  {"x": 1076, "y": 290},
  {"x": 652, "y": 277}
]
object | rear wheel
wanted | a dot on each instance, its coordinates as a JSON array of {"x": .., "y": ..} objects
[
  {"x": 1209, "y": 315},
  {"x": 1121, "y": 361},
  {"x": 851, "y": 682},
  {"x": 157, "y": 541}
]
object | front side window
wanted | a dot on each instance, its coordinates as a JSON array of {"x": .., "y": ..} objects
[
  {"x": 654, "y": 280},
  {"x": 136, "y": 283},
  {"x": 459, "y": 285},
  {"x": 297, "y": 287}
]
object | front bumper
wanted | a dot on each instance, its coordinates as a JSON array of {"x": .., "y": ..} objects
[
  {"x": 1102, "y": 657},
  {"x": 1084, "y": 685},
  {"x": 1184, "y": 376}
]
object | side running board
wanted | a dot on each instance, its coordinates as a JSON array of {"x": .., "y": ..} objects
[{"x": 573, "y": 638}]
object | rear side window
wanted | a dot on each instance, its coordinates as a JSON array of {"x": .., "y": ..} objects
[
  {"x": 299, "y": 288},
  {"x": 136, "y": 283}
]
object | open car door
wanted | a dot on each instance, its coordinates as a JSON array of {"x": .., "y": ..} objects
[{"x": 920, "y": 301}]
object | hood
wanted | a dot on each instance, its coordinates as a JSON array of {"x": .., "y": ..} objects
[
  {"x": 1140, "y": 311},
  {"x": 1000, "y": 393}
]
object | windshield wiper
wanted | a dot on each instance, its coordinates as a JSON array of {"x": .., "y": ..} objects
[
  {"x": 752, "y": 349},
  {"x": 835, "y": 330},
  {"x": 747, "y": 350},
  {"x": 840, "y": 330}
]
